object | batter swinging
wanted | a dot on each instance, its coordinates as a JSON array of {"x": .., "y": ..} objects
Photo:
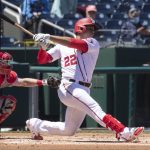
[{"x": 78, "y": 59}]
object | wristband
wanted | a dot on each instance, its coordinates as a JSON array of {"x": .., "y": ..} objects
[{"x": 39, "y": 82}]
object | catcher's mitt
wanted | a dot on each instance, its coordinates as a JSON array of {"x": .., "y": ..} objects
[{"x": 53, "y": 82}]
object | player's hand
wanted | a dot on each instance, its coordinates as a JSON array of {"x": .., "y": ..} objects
[
  {"x": 42, "y": 40},
  {"x": 37, "y": 37}
]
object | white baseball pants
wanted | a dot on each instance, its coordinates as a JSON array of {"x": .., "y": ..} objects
[{"x": 79, "y": 103}]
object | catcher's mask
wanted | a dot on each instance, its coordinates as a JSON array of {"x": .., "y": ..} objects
[
  {"x": 5, "y": 60},
  {"x": 82, "y": 24}
]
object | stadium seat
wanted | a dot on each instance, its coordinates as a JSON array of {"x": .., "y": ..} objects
[
  {"x": 114, "y": 24},
  {"x": 108, "y": 1},
  {"x": 146, "y": 8},
  {"x": 102, "y": 17},
  {"x": 147, "y": 1},
  {"x": 144, "y": 15},
  {"x": 123, "y": 8},
  {"x": 103, "y": 6},
  {"x": 7, "y": 41},
  {"x": 86, "y": 2},
  {"x": 113, "y": 3},
  {"x": 119, "y": 16},
  {"x": 67, "y": 23},
  {"x": 147, "y": 41},
  {"x": 16, "y": 2},
  {"x": 145, "y": 22},
  {"x": 72, "y": 16}
]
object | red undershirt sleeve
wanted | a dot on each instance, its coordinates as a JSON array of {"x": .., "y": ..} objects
[
  {"x": 44, "y": 57},
  {"x": 80, "y": 45}
]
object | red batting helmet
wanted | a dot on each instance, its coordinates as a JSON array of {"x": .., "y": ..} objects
[
  {"x": 80, "y": 26},
  {"x": 5, "y": 59}
]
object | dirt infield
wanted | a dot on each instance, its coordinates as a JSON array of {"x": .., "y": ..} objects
[{"x": 82, "y": 140}]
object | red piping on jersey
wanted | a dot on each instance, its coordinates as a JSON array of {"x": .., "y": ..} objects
[
  {"x": 80, "y": 45},
  {"x": 44, "y": 57}
]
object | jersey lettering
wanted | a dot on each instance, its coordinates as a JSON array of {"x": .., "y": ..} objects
[{"x": 70, "y": 60}]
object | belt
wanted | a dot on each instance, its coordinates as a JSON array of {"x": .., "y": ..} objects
[{"x": 86, "y": 84}]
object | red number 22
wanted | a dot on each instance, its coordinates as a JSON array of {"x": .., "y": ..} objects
[{"x": 70, "y": 60}]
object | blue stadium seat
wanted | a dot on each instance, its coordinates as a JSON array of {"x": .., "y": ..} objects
[
  {"x": 119, "y": 16},
  {"x": 16, "y": 2},
  {"x": 73, "y": 16},
  {"x": 86, "y": 2},
  {"x": 145, "y": 18},
  {"x": 113, "y": 3},
  {"x": 145, "y": 22},
  {"x": 67, "y": 24},
  {"x": 108, "y": 1},
  {"x": 132, "y": 1},
  {"x": 147, "y": 41},
  {"x": 102, "y": 17},
  {"x": 144, "y": 15},
  {"x": 103, "y": 6},
  {"x": 7, "y": 41},
  {"x": 123, "y": 8},
  {"x": 114, "y": 24},
  {"x": 108, "y": 39},
  {"x": 146, "y": 8},
  {"x": 147, "y": 1}
]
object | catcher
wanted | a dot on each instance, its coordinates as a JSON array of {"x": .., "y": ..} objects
[{"x": 9, "y": 78}]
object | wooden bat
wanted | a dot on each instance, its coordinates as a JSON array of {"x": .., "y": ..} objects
[
  {"x": 15, "y": 24},
  {"x": 18, "y": 26}
]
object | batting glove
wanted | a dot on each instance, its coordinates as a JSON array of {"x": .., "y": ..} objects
[
  {"x": 37, "y": 37},
  {"x": 42, "y": 40}
]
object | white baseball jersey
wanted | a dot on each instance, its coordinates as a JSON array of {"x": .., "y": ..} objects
[
  {"x": 76, "y": 97},
  {"x": 76, "y": 65}
]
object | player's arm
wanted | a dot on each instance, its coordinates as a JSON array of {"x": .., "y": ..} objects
[
  {"x": 44, "y": 57},
  {"x": 43, "y": 40},
  {"x": 143, "y": 31},
  {"x": 78, "y": 44},
  {"x": 29, "y": 82},
  {"x": 14, "y": 80}
]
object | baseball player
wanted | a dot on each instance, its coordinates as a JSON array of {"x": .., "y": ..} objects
[
  {"x": 78, "y": 58},
  {"x": 9, "y": 78}
]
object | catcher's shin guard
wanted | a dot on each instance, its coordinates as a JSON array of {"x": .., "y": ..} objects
[{"x": 7, "y": 106}]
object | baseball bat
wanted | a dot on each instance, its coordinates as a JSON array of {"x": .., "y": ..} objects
[
  {"x": 19, "y": 26},
  {"x": 15, "y": 24}
]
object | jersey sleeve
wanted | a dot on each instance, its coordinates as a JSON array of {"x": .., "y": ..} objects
[
  {"x": 93, "y": 44},
  {"x": 55, "y": 52}
]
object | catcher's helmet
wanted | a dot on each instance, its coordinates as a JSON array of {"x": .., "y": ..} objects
[
  {"x": 5, "y": 59},
  {"x": 80, "y": 26}
]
